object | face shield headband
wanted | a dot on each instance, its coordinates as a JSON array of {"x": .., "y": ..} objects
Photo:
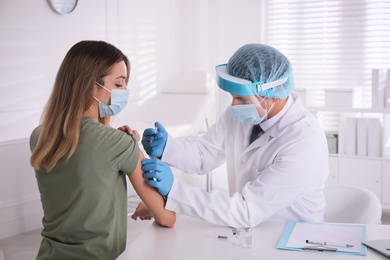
[{"x": 242, "y": 87}]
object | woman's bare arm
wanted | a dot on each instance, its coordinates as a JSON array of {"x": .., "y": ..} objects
[{"x": 149, "y": 195}]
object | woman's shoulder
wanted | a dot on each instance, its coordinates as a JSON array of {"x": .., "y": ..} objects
[
  {"x": 90, "y": 126},
  {"x": 104, "y": 133}
]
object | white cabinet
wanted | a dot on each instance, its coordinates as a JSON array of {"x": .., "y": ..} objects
[
  {"x": 362, "y": 172},
  {"x": 362, "y": 153},
  {"x": 333, "y": 171},
  {"x": 386, "y": 182}
]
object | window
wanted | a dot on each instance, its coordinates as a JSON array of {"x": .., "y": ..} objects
[{"x": 331, "y": 44}]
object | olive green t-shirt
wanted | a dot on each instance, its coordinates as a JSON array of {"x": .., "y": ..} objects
[{"x": 84, "y": 199}]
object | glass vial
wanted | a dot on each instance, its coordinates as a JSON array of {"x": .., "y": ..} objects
[{"x": 247, "y": 238}]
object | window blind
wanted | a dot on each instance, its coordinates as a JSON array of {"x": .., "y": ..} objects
[{"x": 331, "y": 44}]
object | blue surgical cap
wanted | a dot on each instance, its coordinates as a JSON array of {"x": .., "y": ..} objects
[{"x": 262, "y": 63}]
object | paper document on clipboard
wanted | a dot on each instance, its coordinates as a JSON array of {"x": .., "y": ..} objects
[{"x": 336, "y": 238}]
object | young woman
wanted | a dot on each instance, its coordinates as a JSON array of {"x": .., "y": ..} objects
[{"x": 81, "y": 162}]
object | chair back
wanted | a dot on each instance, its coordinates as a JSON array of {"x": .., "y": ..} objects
[{"x": 345, "y": 204}]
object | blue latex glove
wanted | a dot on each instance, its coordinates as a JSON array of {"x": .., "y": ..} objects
[
  {"x": 154, "y": 140},
  {"x": 159, "y": 175}
]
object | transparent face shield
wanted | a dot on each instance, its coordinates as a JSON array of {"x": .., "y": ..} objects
[
  {"x": 248, "y": 105},
  {"x": 242, "y": 87}
]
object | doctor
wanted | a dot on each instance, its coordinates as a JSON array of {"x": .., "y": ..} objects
[{"x": 275, "y": 151}]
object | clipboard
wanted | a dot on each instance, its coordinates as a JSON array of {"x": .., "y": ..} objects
[{"x": 342, "y": 238}]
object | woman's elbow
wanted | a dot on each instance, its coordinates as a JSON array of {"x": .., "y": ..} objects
[{"x": 167, "y": 221}]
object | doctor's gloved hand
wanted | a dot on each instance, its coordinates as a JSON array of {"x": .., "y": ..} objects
[
  {"x": 159, "y": 175},
  {"x": 154, "y": 140}
]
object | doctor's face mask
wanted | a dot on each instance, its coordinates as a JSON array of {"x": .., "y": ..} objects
[
  {"x": 251, "y": 114},
  {"x": 119, "y": 99}
]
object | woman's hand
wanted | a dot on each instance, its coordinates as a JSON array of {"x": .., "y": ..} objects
[
  {"x": 129, "y": 131},
  {"x": 142, "y": 212}
]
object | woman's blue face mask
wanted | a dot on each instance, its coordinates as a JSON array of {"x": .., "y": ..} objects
[
  {"x": 249, "y": 113},
  {"x": 119, "y": 99}
]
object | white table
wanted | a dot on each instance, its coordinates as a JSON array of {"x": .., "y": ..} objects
[{"x": 191, "y": 238}]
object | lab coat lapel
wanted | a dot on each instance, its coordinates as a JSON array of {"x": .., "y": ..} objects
[
  {"x": 247, "y": 130},
  {"x": 262, "y": 140}
]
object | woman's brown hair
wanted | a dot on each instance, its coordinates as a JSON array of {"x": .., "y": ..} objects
[{"x": 85, "y": 63}]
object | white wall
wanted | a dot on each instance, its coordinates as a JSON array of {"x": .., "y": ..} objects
[
  {"x": 161, "y": 38},
  {"x": 32, "y": 44}
]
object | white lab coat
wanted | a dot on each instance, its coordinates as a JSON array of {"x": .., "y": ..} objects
[{"x": 280, "y": 175}]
